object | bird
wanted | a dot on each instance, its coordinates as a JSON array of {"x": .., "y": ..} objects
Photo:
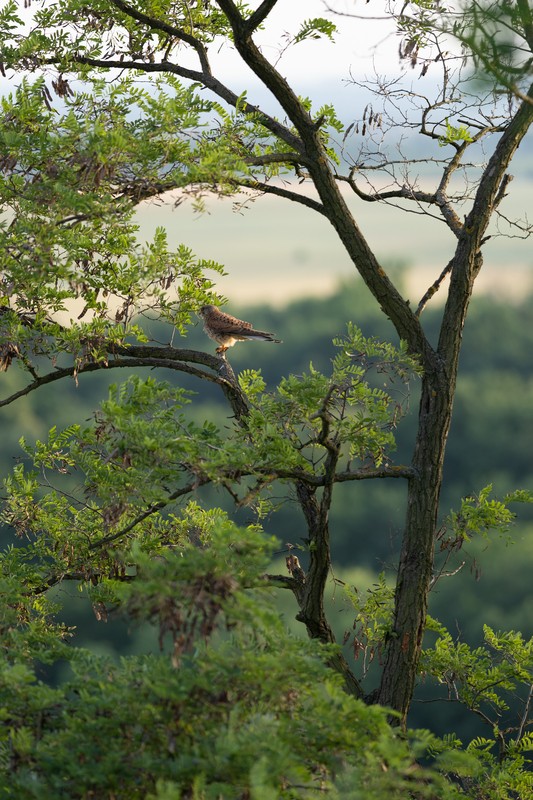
[{"x": 226, "y": 330}]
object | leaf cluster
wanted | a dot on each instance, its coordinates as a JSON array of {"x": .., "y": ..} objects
[
  {"x": 487, "y": 680},
  {"x": 480, "y": 514}
]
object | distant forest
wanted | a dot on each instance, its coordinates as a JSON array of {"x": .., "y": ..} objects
[{"x": 491, "y": 442}]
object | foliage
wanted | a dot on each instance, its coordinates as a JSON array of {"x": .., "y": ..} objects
[
  {"x": 481, "y": 514},
  {"x": 492, "y": 681},
  {"x": 68, "y": 236},
  {"x": 234, "y": 706},
  {"x": 315, "y": 28},
  {"x": 142, "y": 454},
  {"x": 455, "y": 134},
  {"x": 486, "y": 680},
  {"x": 199, "y": 581}
]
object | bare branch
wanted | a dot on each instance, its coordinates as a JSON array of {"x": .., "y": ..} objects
[
  {"x": 279, "y": 191},
  {"x": 65, "y": 372},
  {"x": 525, "y": 715},
  {"x": 285, "y": 582},
  {"x": 369, "y": 473},
  {"x": 156, "y": 357},
  {"x": 445, "y": 574},
  {"x": 502, "y": 191},
  {"x": 405, "y": 192},
  {"x": 467, "y": 259},
  {"x": 433, "y": 289}
]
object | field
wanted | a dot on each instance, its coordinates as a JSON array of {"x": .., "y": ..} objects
[{"x": 275, "y": 251}]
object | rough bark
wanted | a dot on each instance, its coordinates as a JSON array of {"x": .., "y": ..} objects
[{"x": 416, "y": 558}]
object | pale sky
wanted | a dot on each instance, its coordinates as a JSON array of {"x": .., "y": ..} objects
[
  {"x": 360, "y": 44},
  {"x": 357, "y": 41}
]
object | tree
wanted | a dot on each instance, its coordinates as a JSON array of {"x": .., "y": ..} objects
[{"x": 74, "y": 169}]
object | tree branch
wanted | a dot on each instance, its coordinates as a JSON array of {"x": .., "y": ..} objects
[
  {"x": 437, "y": 198},
  {"x": 233, "y": 14},
  {"x": 369, "y": 473},
  {"x": 275, "y": 158},
  {"x": 271, "y": 78},
  {"x": 154, "y": 508},
  {"x": 338, "y": 213},
  {"x": 405, "y": 192},
  {"x": 156, "y": 357},
  {"x": 56, "y": 578},
  {"x": 260, "y": 14},
  {"x": 279, "y": 191},
  {"x": 171, "y": 30},
  {"x": 310, "y": 594},
  {"x": 206, "y": 79},
  {"x": 433, "y": 289},
  {"x": 467, "y": 260},
  {"x": 65, "y": 372},
  {"x": 525, "y": 715}
]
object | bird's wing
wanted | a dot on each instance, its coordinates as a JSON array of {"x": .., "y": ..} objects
[{"x": 225, "y": 323}]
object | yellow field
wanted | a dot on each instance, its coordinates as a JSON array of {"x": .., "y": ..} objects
[{"x": 275, "y": 251}]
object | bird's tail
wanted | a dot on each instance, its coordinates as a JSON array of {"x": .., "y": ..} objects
[{"x": 263, "y": 336}]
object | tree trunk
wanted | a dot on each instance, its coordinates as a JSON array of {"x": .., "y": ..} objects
[
  {"x": 416, "y": 559},
  {"x": 311, "y": 597}
]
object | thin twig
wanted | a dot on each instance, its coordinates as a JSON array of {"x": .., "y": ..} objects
[
  {"x": 434, "y": 288},
  {"x": 525, "y": 715},
  {"x": 152, "y": 509}
]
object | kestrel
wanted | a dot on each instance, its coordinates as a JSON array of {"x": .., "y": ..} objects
[{"x": 226, "y": 330}]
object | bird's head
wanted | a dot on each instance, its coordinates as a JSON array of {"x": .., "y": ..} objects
[{"x": 206, "y": 310}]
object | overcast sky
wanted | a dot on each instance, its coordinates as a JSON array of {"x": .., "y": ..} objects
[{"x": 364, "y": 42}]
